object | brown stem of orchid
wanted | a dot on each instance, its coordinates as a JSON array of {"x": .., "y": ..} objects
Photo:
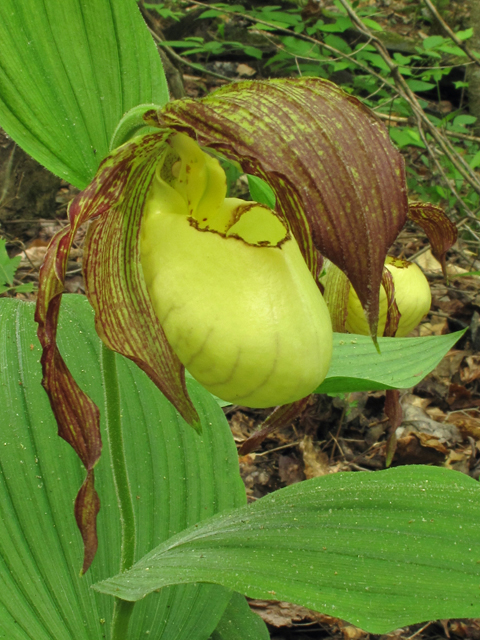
[{"x": 122, "y": 610}]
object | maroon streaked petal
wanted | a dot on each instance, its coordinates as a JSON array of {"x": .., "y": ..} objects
[
  {"x": 124, "y": 316},
  {"x": 393, "y": 314},
  {"x": 87, "y": 506},
  {"x": 440, "y": 230},
  {"x": 336, "y": 293},
  {"x": 326, "y": 156},
  {"x": 77, "y": 417},
  {"x": 112, "y": 193}
]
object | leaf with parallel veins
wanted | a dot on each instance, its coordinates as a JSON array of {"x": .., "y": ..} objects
[{"x": 337, "y": 178}]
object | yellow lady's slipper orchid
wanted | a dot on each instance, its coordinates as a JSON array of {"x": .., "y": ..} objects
[
  {"x": 412, "y": 295},
  {"x": 230, "y": 286},
  {"x": 179, "y": 275}
]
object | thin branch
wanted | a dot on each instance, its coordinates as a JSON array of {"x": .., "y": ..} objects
[
  {"x": 441, "y": 170},
  {"x": 193, "y": 65},
  {"x": 301, "y": 36},
  {"x": 404, "y": 120}
]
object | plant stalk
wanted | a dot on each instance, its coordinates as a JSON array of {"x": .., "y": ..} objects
[{"x": 122, "y": 609}]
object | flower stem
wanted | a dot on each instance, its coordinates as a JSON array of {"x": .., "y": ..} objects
[{"x": 122, "y": 609}]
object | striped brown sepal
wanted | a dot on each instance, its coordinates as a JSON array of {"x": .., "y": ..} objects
[
  {"x": 338, "y": 179},
  {"x": 393, "y": 314},
  {"x": 77, "y": 417},
  {"x": 440, "y": 230}
]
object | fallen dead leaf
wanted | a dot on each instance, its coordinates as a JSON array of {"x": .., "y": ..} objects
[
  {"x": 427, "y": 262},
  {"x": 416, "y": 420},
  {"x": 433, "y": 328},
  {"x": 245, "y": 70},
  {"x": 471, "y": 370},
  {"x": 284, "y": 614},
  {"x": 411, "y": 451},
  {"x": 241, "y": 426},
  {"x": 459, "y": 460},
  {"x": 315, "y": 460},
  {"x": 290, "y": 470},
  {"x": 32, "y": 257},
  {"x": 352, "y": 633},
  {"x": 466, "y": 424},
  {"x": 450, "y": 365}
]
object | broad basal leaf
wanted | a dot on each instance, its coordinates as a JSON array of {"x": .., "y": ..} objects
[
  {"x": 381, "y": 550},
  {"x": 177, "y": 478},
  {"x": 401, "y": 364},
  {"x": 240, "y": 623},
  {"x": 69, "y": 71}
]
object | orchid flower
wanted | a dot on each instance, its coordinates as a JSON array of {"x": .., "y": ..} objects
[
  {"x": 181, "y": 276},
  {"x": 412, "y": 297}
]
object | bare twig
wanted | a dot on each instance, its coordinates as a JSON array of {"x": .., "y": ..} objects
[
  {"x": 441, "y": 170},
  {"x": 404, "y": 120},
  {"x": 193, "y": 65}
]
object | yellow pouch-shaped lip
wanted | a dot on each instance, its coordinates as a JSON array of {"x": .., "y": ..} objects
[
  {"x": 231, "y": 289},
  {"x": 412, "y": 295}
]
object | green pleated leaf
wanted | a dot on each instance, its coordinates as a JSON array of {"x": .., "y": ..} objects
[
  {"x": 401, "y": 364},
  {"x": 69, "y": 71},
  {"x": 240, "y": 623},
  {"x": 177, "y": 478},
  {"x": 381, "y": 550}
]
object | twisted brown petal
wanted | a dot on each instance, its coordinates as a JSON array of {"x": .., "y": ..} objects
[
  {"x": 441, "y": 232},
  {"x": 393, "y": 314},
  {"x": 127, "y": 324}
]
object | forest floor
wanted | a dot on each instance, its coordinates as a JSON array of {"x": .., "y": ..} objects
[{"x": 441, "y": 424}]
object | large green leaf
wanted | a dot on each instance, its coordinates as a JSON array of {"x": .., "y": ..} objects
[
  {"x": 240, "y": 623},
  {"x": 401, "y": 364},
  {"x": 177, "y": 478},
  {"x": 69, "y": 71},
  {"x": 381, "y": 550}
]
